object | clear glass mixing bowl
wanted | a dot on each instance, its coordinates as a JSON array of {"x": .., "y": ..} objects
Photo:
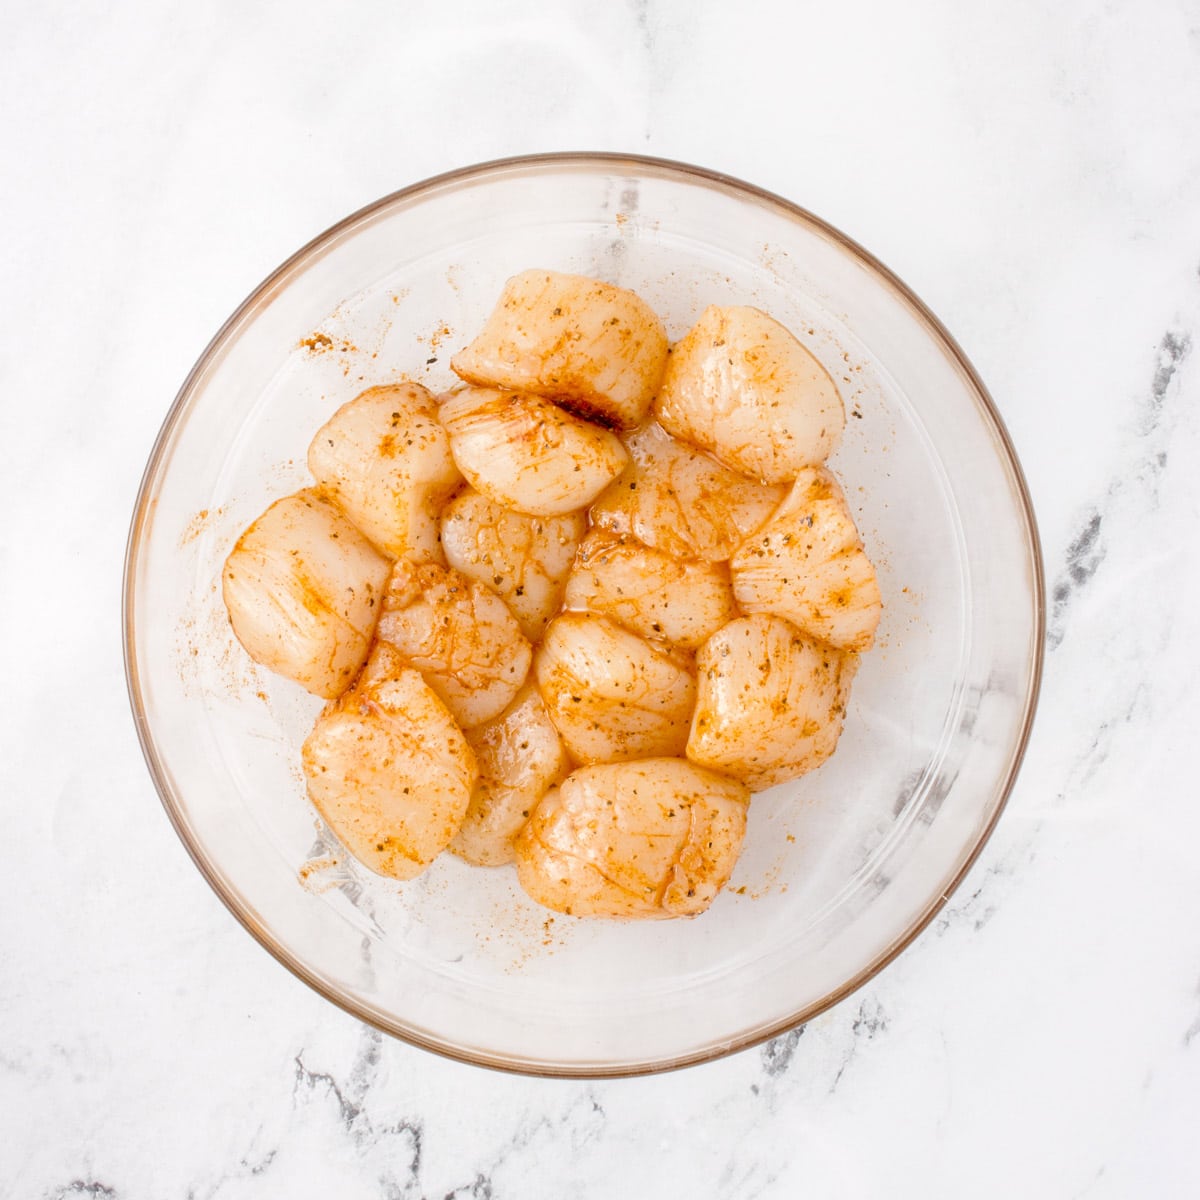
[{"x": 841, "y": 869}]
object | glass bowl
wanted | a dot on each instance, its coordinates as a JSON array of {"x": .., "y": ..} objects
[{"x": 841, "y": 869}]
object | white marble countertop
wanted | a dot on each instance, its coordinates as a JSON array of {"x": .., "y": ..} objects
[{"x": 1033, "y": 171}]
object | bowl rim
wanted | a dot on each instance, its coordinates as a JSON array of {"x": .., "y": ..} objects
[{"x": 632, "y": 164}]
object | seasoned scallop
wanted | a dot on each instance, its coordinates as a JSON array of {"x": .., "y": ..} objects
[
  {"x": 459, "y": 635},
  {"x": 390, "y": 771},
  {"x": 651, "y": 839},
  {"x": 662, "y": 598},
  {"x": 770, "y": 703},
  {"x": 385, "y": 459},
  {"x": 523, "y": 559},
  {"x": 520, "y": 757},
  {"x": 611, "y": 695},
  {"x": 741, "y": 385},
  {"x": 596, "y": 349},
  {"x": 807, "y": 563},
  {"x": 674, "y": 498},
  {"x": 302, "y": 587},
  {"x": 527, "y": 454}
]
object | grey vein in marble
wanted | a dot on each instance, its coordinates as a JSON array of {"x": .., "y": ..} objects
[
  {"x": 1084, "y": 556},
  {"x": 1176, "y": 345},
  {"x": 777, "y": 1054},
  {"x": 641, "y": 14},
  {"x": 351, "y": 1096},
  {"x": 480, "y": 1188},
  {"x": 870, "y": 1022},
  {"x": 1087, "y": 550},
  {"x": 351, "y": 1100},
  {"x": 743, "y": 1183},
  {"x": 257, "y": 1168},
  {"x": 1194, "y": 1028},
  {"x": 587, "y": 1112}
]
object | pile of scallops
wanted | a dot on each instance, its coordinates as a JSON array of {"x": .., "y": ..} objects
[{"x": 574, "y": 612}]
